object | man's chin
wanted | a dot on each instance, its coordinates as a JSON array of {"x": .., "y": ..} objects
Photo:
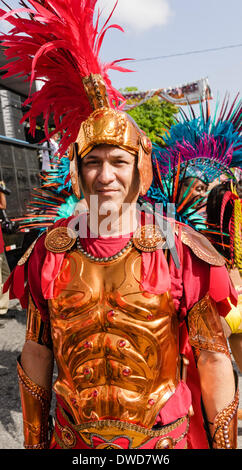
[{"x": 107, "y": 204}]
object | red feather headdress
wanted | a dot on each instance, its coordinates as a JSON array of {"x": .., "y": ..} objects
[{"x": 59, "y": 43}]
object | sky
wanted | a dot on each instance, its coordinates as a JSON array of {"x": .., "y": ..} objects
[{"x": 164, "y": 27}]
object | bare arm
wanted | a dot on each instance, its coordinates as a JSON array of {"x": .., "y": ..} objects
[
  {"x": 217, "y": 383},
  {"x": 37, "y": 362},
  {"x": 217, "y": 380}
]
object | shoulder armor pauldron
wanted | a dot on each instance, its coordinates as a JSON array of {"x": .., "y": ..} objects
[
  {"x": 60, "y": 239},
  {"x": 199, "y": 245}
]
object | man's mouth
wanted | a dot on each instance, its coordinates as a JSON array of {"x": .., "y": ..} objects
[{"x": 107, "y": 190}]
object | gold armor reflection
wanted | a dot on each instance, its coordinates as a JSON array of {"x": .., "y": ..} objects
[{"x": 116, "y": 348}]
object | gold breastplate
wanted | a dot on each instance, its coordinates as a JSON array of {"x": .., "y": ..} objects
[{"x": 116, "y": 347}]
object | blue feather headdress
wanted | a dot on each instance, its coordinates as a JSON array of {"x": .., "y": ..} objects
[{"x": 196, "y": 147}]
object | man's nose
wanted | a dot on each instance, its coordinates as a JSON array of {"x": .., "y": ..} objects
[{"x": 106, "y": 174}]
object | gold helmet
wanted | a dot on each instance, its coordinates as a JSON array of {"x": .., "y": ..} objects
[{"x": 63, "y": 49}]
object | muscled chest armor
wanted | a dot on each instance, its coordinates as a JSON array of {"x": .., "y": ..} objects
[{"x": 116, "y": 347}]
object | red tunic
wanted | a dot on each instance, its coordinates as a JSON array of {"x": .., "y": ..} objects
[{"x": 188, "y": 284}]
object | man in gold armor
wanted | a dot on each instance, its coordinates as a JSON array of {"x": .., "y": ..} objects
[{"x": 136, "y": 336}]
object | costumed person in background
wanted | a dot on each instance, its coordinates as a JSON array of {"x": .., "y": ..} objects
[
  {"x": 4, "y": 267},
  {"x": 224, "y": 219},
  {"x": 196, "y": 153},
  {"x": 200, "y": 151},
  {"x": 109, "y": 309},
  {"x": 52, "y": 201}
]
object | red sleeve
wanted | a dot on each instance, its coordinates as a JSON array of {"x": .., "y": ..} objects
[
  {"x": 195, "y": 278},
  {"x": 34, "y": 277},
  {"x": 26, "y": 278}
]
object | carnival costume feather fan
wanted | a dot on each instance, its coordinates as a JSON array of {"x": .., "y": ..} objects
[
  {"x": 224, "y": 223},
  {"x": 59, "y": 44},
  {"x": 51, "y": 201},
  {"x": 197, "y": 147},
  {"x": 205, "y": 145}
]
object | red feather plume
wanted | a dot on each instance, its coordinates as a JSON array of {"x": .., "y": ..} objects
[{"x": 59, "y": 43}]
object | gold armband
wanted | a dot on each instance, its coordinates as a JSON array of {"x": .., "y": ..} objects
[
  {"x": 205, "y": 328},
  {"x": 36, "y": 406},
  {"x": 226, "y": 422},
  {"x": 37, "y": 330}
]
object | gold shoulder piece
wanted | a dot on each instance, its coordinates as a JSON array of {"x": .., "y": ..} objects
[
  {"x": 27, "y": 253},
  {"x": 148, "y": 238},
  {"x": 60, "y": 239},
  {"x": 200, "y": 246}
]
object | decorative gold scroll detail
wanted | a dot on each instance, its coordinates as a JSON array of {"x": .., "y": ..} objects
[
  {"x": 116, "y": 347},
  {"x": 27, "y": 254},
  {"x": 226, "y": 424},
  {"x": 60, "y": 239},
  {"x": 205, "y": 328},
  {"x": 109, "y": 430},
  {"x": 37, "y": 330},
  {"x": 95, "y": 89},
  {"x": 35, "y": 405},
  {"x": 148, "y": 238},
  {"x": 108, "y": 126},
  {"x": 200, "y": 245}
]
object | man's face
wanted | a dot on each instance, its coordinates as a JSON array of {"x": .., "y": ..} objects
[
  {"x": 197, "y": 190},
  {"x": 111, "y": 174}
]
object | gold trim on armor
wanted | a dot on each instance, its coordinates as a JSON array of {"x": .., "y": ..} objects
[
  {"x": 148, "y": 238},
  {"x": 205, "y": 328},
  {"x": 113, "y": 374},
  {"x": 35, "y": 405},
  {"x": 122, "y": 425},
  {"x": 109, "y": 430},
  {"x": 37, "y": 330},
  {"x": 60, "y": 239},
  {"x": 226, "y": 422},
  {"x": 200, "y": 245},
  {"x": 95, "y": 89},
  {"x": 108, "y": 126}
]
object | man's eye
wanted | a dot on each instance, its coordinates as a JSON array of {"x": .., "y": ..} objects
[
  {"x": 91, "y": 162},
  {"x": 121, "y": 162}
]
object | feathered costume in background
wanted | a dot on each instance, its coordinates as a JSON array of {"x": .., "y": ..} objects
[
  {"x": 224, "y": 221},
  {"x": 197, "y": 147},
  {"x": 51, "y": 201},
  {"x": 58, "y": 42}
]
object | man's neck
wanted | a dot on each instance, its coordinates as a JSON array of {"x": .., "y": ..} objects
[{"x": 115, "y": 226}]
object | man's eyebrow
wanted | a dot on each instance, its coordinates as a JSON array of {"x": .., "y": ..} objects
[{"x": 89, "y": 157}]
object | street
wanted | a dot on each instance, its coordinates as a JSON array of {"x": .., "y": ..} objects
[{"x": 12, "y": 332}]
